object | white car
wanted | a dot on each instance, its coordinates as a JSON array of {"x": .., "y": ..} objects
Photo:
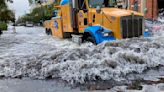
[{"x": 28, "y": 24}]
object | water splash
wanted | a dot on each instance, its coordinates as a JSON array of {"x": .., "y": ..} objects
[{"x": 39, "y": 56}]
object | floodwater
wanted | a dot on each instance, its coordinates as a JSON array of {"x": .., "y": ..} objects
[
  {"x": 29, "y": 85},
  {"x": 31, "y": 61}
]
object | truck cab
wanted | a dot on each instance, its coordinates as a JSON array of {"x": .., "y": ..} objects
[{"x": 96, "y": 20}]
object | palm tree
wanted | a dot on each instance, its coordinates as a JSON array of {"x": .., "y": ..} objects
[
  {"x": 5, "y": 13},
  {"x": 30, "y": 1},
  {"x": 3, "y": 3},
  {"x": 34, "y": 1}
]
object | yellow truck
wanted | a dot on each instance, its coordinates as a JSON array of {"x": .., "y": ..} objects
[{"x": 95, "y": 21}]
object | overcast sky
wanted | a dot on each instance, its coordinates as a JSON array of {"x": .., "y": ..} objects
[{"x": 20, "y": 6}]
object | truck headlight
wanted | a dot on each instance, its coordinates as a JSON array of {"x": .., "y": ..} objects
[
  {"x": 107, "y": 34},
  {"x": 146, "y": 30}
]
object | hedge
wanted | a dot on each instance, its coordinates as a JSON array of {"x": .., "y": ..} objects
[{"x": 3, "y": 26}]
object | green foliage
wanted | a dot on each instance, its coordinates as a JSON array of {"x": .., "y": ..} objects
[
  {"x": 30, "y": 1},
  {"x": 38, "y": 14},
  {"x": 5, "y": 13},
  {"x": 57, "y": 2},
  {"x": 3, "y": 26}
]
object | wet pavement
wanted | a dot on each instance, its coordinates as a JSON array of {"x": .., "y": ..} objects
[{"x": 29, "y": 85}]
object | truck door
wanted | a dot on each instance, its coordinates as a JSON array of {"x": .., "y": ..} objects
[
  {"x": 66, "y": 13},
  {"x": 82, "y": 16}
]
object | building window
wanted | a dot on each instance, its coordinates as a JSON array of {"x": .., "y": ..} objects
[
  {"x": 135, "y": 5},
  {"x": 122, "y": 4}
]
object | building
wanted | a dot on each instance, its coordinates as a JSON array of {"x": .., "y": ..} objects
[{"x": 149, "y": 8}]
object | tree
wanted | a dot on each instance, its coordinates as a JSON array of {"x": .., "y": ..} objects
[
  {"x": 30, "y": 2},
  {"x": 34, "y": 1},
  {"x": 41, "y": 13},
  {"x": 38, "y": 14},
  {"x": 5, "y": 13}
]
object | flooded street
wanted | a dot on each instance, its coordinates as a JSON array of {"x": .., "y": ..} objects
[
  {"x": 28, "y": 42},
  {"x": 28, "y": 85},
  {"x": 128, "y": 57},
  {"x": 31, "y": 61}
]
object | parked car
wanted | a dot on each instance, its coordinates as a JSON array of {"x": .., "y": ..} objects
[
  {"x": 21, "y": 24},
  {"x": 29, "y": 24}
]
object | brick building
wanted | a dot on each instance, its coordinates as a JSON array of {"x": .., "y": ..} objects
[{"x": 150, "y": 8}]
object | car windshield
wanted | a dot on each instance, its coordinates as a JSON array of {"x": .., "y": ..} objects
[{"x": 102, "y": 3}]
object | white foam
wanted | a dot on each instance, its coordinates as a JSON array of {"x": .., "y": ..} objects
[{"x": 33, "y": 54}]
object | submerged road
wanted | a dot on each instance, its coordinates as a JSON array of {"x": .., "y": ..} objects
[
  {"x": 29, "y": 41},
  {"x": 29, "y": 55}
]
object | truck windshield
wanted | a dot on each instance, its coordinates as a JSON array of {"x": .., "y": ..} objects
[
  {"x": 55, "y": 13},
  {"x": 101, "y": 3}
]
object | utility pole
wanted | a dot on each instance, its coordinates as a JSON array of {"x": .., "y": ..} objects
[
  {"x": 153, "y": 10},
  {"x": 14, "y": 29}
]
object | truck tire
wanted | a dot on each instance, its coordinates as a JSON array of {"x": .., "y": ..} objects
[
  {"x": 46, "y": 31},
  {"x": 50, "y": 32},
  {"x": 92, "y": 40}
]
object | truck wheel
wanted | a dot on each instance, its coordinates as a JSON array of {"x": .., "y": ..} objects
[
  {"x": 91, "y": 39},
  {"x": 46, "y": 31},
  {"x": 50, "y": 32}
]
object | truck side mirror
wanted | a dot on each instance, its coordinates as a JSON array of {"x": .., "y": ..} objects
[{"x": 98, "y": 9}]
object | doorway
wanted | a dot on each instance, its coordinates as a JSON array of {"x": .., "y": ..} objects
[{"x": 161, "y": 7}]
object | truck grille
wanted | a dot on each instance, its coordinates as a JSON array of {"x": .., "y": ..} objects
[{"x": 132, "y": 26}]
